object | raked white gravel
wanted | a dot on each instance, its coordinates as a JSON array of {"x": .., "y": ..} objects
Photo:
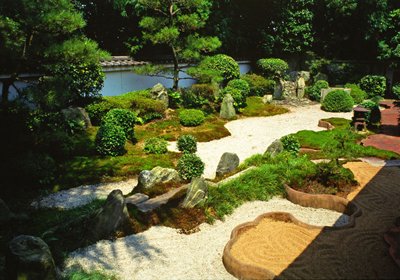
[
  {"x": 253, "y": 135},
  {"x": 163, "y": 253}
]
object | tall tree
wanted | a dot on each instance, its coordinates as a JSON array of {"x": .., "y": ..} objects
[
  {"x": 177, "y": 25},
  {"x": 42, "y": 37},
  {"x": 290, "y": 31}
]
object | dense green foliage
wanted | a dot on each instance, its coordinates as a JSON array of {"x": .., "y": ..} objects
[
  {"x": 217, "y": 68},
  {"x": 98, "y": 110},
  {"x": 374, "y": 86},
  {"x": 314, "y": 92},
  {"x": 239, "y": 100},
  {"x": 187, "y": 143},
  {"x": 356, "y": 93},
  {"x": 338, "y": 101},
  {"x": 200, "y": 96},
  {"x": 273, "y": 68},
  {"x": 123, "y": 118},
  {"x": 396, "y": 90},
  {"x": 259, "y": 86},
  {"x": 191, "y": 117},
  {"x": 190, "y": 166},
  {"x": 291, "y": 144},
  {"x": 241, "y": 85},
  {"x": 155, "y": 145},
  {"x": 82, "y": 275},
  {"x": 374, "y": 116},
  {"x": 110, "y": 140}
]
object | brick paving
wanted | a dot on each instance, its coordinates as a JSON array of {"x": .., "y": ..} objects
[{"x": 389, "y": 138}]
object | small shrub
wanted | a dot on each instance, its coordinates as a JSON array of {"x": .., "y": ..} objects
[
  {"x": 175, "y": 99},
  {"x": 314, "y": 92},
  {"x": 146, "y": 106},
  {"x": 97, "y": 111},
  {"x": 191, "y": 117},
  {"x": 241, "y": 85},
  {"x": 123, "y": 118},
  {"x": 273, "y": 68},
  {"x": 190, "y": 166},
  {"x": 374, "y": 116},
  {"x": 200, "y": 96},
  {"x": 338, "y": 101},
  {"x": 187, "y": 143},
  {"x": 334, "y": 175},
  {"x": 239, "y": 101},
  {"x": 223, "y": 65},
  {"x": 396, "y": 90},
  {"x": 356, "y": 93},
  {"x": 110, "y": 140},
  {"x": 259, "y": 86},
  {"x": 155, "y": 145},
  {"x": 291, "y": 144},
  {"x": 373, "y": 85}
]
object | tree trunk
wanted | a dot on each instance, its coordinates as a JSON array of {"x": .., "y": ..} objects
[
  {"x": 176, "y": 70},
  {"x": 4, "y": 93}
]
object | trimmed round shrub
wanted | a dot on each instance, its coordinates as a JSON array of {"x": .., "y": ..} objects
[
  {"x": 314, "y": 91},
  {"x": 187, "y": 143},
  {"x": 241, "y": 85},
  {"x": 191, "y": 117},
  {"x": 338, "y": 101},
  {"x": 199, "y": 96},
  {"x": 374, "y": 116},
  {"x": 291, "y": 144},
  {"x": 373, "y": 85},
  {"x": 259, "y": 86},
  {"x": 190, "y": 166},
  {"x": 97, "y": 111},
  {"x": 123, "y": 118},
  {"x": 273, "y": 68},
  {"x": 239, "y": 100},
  {"x": 396, "y": 90},
  {"x": 155, "y": 145},
  {"x": 356, "y": 93},
  {"x": 224, "y": 65},
  {"x": 147, "y": 108},
  {"x": 110, "y": 140}
]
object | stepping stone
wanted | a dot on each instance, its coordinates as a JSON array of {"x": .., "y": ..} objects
[
  {"x": 380, "y": 162},
  {"x": 154, "y": 203},
  {"x": 137, "y": 198}
]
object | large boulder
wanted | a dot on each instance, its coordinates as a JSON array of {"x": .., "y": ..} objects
[
  {"x": 112, "y": 216},
  {"x": 158, "y": 175},
  {"x": 29, "y": 257},
  {"x": 227, "y": 163},
  {"x": 5, "y": 213},
  {"x": 227, "y": 109},
  {"x": 278, "y": 89},
  {"x": 159, "y": 92},
  {"x": 267, "y": 99},
  {"x": 196, "y": 193},
  {"x": 275, "y": 148},
  {"x": 78, "y": 115}
]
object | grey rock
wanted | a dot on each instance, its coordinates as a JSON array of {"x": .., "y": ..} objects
[
  {"x": 306, "y": 75},
  {"x": 267, "y": 98},
  {"x": 278, "y": 90},
  {"x": 29, "y": 257},
  {"x": 137, "y": 198},
  {"x": 112, "y": 216},
  {"x": 196, "y": 193},
  {"x": 227, "y": 163},
  {"x": 78, "y": 115},
  {"x": 275, "y": 148},
  {"x": 159, "y": 92},
  {"x": 289, "y": 89},
  {"x": 301, "y": 85},
  {"x": 156, "y": 202},
  {"x": 5, "y": 213},
  {"x": 227, "y": 109},
  {"x": 158, "y": 175}
]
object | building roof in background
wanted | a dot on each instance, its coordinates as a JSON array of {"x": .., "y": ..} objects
[{"x": 120, "y": 61}]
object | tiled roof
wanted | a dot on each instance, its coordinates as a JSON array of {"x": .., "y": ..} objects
[{"x": 118, "y": 61}]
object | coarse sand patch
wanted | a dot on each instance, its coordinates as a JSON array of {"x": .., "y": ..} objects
[
  {"x": 163, "y": 253},
  {"x": 253, "y": 135}
]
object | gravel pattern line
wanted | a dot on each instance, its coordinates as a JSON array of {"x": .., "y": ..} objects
[{"x": 163, "y": 253}]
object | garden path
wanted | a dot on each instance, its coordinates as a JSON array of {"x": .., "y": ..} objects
[
  {"x": 253, "y": 135},
  {"x": 163, "y": 253}
]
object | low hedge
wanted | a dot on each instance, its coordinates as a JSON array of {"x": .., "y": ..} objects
[
  {"x": 259, "y": 86},
  {"x": 191, "y": 117},
  {"x": 338, "y": 101}
]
